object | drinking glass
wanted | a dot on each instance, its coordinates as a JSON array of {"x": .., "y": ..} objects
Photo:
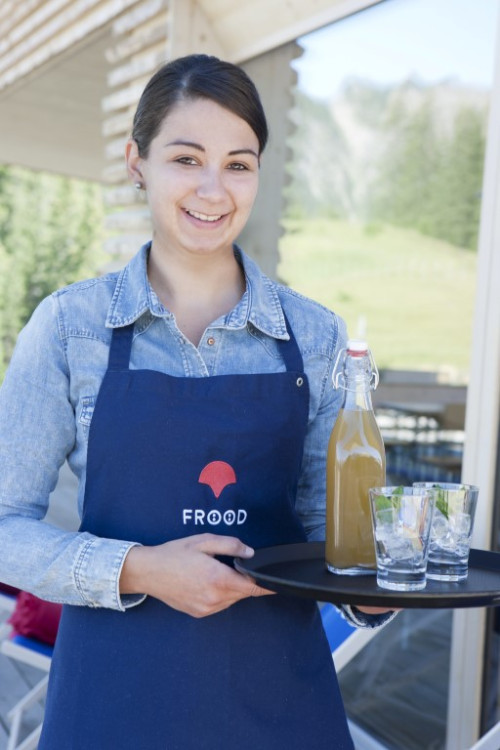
[
  {"x": 402, "y": 518},
  {"x": 451, "y": 530}
]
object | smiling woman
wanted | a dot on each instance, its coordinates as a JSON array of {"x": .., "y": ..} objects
[
  {"x": 190, "y": 394},
  {"x": 201, "y": 177}
]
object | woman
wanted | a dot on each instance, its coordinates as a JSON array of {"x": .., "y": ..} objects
[{"x": 191, "y": 396}]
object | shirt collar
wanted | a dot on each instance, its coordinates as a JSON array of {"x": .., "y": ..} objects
[{"x": 260, "y": 304}]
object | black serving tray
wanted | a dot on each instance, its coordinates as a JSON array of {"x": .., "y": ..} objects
[{"x": 299, "y": 570}]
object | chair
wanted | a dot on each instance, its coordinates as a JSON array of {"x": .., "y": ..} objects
[
  {"x": 345, "y": 640},
  {"x": 7, "y": 604},
  {"x": 490, "y": 740},
  {"x": 8, "y": 598},
  {"x": 30, "y": 617},
  {"x": 35, "y": 654}
]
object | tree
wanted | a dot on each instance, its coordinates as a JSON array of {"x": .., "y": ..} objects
[
  {"x": 50, "y": 236},
  {"x": 319, "y": 177},
  {"x": 459, "y": 183}
]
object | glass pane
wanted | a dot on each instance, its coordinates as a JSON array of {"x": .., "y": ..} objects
[
  {"x": 393, "y": 689},
  {"x": 381, "y": 225}
]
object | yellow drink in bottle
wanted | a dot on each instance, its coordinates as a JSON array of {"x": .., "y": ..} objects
[{"x": 355, "y": 462}]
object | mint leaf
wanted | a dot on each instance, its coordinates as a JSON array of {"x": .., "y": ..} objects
[
  {"x": 383, "y": 503},
  {"x": 386, "y": 502},
  {"x": 441, "y": 503}
]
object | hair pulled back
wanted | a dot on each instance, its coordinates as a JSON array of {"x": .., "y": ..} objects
[{"x": 195, "y": 77}]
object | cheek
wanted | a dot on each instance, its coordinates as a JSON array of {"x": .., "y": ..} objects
[{"x": 248, "y": 196}]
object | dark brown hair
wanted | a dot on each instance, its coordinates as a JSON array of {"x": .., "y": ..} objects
[{"x": 195, "y": 77}]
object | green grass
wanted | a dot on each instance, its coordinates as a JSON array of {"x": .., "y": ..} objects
[{"x": 415, "y": 294}]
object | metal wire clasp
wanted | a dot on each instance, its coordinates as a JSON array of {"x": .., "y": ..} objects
[{"x": 338, "y": 374}]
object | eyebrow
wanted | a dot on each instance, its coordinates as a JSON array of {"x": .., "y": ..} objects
[{"x": 199, "y": 147}]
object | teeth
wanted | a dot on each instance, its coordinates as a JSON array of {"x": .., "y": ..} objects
[{"x": 204, "y": 217}]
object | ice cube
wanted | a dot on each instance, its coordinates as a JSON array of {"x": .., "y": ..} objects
[
  {"x": 460, "y": 524},
  {"x": 439, "y": 526},
  {"x": 399, "y": 547}
]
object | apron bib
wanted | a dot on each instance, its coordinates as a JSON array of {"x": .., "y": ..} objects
[{"x": 169, "y": 457}]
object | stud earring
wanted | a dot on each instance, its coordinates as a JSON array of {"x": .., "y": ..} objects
[{"x": 139, "y": 186}]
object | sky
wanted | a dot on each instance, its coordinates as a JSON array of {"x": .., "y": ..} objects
[{"x": 431, "y": 40}]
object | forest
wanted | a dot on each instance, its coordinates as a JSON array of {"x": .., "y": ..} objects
[{"x": 410, "y": 156}]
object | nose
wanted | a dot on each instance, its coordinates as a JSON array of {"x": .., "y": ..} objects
[{"x": 211, "y": 186}]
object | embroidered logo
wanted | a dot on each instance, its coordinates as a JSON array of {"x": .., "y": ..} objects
[{"x": 217, "y": 474}]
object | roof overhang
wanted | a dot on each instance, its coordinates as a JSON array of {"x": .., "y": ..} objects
[{"x": 50, "y": 116}]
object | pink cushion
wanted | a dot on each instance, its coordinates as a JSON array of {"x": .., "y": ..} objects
[{"x": 36, "y": 618}]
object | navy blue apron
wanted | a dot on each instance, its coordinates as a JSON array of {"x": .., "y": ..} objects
[{"x": 169, "y": 457}]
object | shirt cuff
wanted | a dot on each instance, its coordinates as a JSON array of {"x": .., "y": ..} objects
[
  {"x": 363, "y": 620},
  {"x": 97, "y": 574}
]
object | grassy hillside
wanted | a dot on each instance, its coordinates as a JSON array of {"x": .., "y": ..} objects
[{"x": 414, "y": 294}]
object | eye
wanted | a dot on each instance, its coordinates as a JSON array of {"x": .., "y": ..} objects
[
  {"x": 237, "y": 166},
  {"x": 190, "y": 160}
]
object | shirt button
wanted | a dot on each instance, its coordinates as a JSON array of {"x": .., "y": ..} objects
[{"x": 211, "y": 341}]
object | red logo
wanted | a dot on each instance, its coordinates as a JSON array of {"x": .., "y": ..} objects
[{"x": 217, "y": 474}]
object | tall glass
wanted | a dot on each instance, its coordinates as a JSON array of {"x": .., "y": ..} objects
[
  {"x": 451, "y": 530},
  {"x": 402, "y": 518}
]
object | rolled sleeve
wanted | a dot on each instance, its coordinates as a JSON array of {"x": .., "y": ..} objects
[
  {"x": 37, "y": 433},
  {"x": 361, "y": 620},
  {"x": 102, "y": 560}
]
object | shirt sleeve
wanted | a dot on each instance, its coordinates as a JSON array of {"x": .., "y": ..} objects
[
  {"x": 37, "y": 432},
  {"x": 326, "y": 402}
]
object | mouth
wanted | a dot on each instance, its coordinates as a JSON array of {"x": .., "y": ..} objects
[{"x": 208, "y": 218}]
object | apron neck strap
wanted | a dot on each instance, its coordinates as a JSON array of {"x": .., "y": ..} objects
[
  {"x": 290, "y": 351},
  {"x": 121, "y": 344}
]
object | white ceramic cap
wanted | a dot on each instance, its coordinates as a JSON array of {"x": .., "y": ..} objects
[{"x": 357, "y": 346}]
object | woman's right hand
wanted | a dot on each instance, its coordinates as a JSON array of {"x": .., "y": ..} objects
[{"x": 185, "y": 575}]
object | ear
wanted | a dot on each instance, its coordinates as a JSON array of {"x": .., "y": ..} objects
[{"x": 134, "y": 162}]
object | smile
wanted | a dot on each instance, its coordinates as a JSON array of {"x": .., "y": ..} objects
[{"x": 204, "y": 217}]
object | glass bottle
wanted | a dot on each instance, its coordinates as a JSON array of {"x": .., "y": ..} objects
[{"x": 355, "y": 462}]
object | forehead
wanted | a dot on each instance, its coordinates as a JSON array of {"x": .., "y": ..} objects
[{"x": 204, "y": 119}]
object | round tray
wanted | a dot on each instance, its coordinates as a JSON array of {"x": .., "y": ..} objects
[{"x": 299, "y": 569}]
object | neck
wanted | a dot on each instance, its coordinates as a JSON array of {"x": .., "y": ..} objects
[{"x": 198, "y": 289}]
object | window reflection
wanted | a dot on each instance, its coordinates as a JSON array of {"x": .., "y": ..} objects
[{"x": 381, "y": 225}]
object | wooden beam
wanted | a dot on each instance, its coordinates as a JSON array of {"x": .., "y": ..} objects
[
  {"x": 125, "y": 97},
  {"x": 284, "y": 21},
  {"x": 65, "y": 29},
  {"x": 148, "y": 34},
  {"x": 274, "y": 78},
  {"x": 139, "y": 66},
  {"x": 119, "y": 123},
  {"x": 123, "y": 195},
  {"x": 137, "y": 220},
  {"x": 136, "y": 17},
  {"x": 12, "y": 13},
  {"x": 192, "y": 31}
]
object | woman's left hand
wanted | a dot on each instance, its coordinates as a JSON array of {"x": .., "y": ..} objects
[{"x": 376, "y": 610}]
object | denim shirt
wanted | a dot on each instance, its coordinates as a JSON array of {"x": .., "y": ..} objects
[{"x": 51, "y": 386}]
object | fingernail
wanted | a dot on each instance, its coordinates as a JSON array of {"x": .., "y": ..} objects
[{"x": 249, "y": 552}]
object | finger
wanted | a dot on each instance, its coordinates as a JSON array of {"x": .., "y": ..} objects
[
  {"x": 246, "y": 586},
  {"x": 259, "y": 591},
  {"x": 377, "y": 610},
  {"x": 212, "y": 544},
  {"x": 255, "y": 589}
]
